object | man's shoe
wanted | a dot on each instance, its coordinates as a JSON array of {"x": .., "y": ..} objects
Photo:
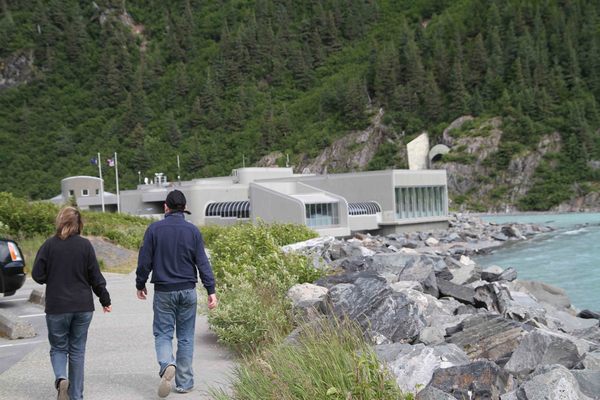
[
  {"x": 164, "y": 388},
  {"x": 182, "y": 390},
  {"x": 63, "y": 389}
]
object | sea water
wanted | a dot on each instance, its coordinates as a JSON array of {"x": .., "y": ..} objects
[{"x": 568, "y": 257}]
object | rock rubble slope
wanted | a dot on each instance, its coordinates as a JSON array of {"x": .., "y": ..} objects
[{"x": 447, "y": 328}]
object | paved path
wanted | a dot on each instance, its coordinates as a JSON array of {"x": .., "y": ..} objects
[{"x": 120, "y": 359}]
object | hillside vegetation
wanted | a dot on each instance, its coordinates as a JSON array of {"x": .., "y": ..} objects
[{"x": 219, "y": 81}]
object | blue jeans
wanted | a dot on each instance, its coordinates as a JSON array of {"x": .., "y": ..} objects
[
  {"x": 67, "y": 334},
  {"x": 175, "y": 311}
]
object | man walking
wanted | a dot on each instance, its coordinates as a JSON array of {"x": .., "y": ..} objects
[{"x": 173, "y": 250}]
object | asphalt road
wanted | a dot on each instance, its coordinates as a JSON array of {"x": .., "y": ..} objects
[
  {"x": 120, "y": 359},
  {"x": 11, "y": 351}
]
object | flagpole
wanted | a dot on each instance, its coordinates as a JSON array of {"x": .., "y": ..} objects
[
  {"x": 178, "y": 170},
  {"x": 101, "y": 181},
  {"x": 117, "y": 179}
]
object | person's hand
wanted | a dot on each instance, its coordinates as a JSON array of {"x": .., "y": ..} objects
[
  {"x": 141, "y": 294},
  {"x": 107, "y": 309},
  {"x": 212, "y": 301}
]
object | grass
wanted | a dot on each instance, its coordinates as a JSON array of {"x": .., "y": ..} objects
[{"x": 330, "y": 361}]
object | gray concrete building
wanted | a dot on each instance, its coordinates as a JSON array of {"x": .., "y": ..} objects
[
  {"x": 332, "y": 204},
  {"x": 86, "y": 191}
]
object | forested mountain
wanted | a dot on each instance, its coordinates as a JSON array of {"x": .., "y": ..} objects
[{"x": 216, "y": 81}]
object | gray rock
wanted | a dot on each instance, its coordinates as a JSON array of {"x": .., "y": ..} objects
[
  {"x": 308, "y": 300},
  {"x": 543, "y": 293},
  {"x": 386, "y": 315},
  {"x": 512, "y": 231},
  {"x": 541, "y": 347},
  {"x": 590, "y": 360},
  {"x": 549, "y": 383},
  {"x": 463, "y": 294},
  {"x": 420, "y": 269},
  {"x": 499, "y": 236},
  {"x": 488, "y": 336},
  {"x": 569, "y": 323},
  {"x": 432, "y": 242},
  {"x": 413, "y": 366},
  {"x": 431, "y": 393},
  {"x": 355, "y": 251},
  {"x": 589, "y": 382},
  {"x": 589, "y": 314},
  {"x": 349, "y": 277},
  {"x": 400, "y": 286},
  {"x": 452, "y": 237},
  {"x": 510, "y": 274},
  {"x": 463, "y": 271},
  {"x": 481, "y": 379}
]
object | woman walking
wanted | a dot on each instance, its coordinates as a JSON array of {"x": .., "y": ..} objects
[{"x": 67, "y": 264}]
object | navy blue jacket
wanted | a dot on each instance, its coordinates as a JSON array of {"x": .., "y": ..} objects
[{"x": 173, "y": 250}]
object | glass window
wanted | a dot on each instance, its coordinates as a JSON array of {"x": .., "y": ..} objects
[
  {"x": 322, "y": 214},
  {"x": 422, "y": 201},
  {"x": 85, "y": 192},
  {"x": 71, "y": 192}
]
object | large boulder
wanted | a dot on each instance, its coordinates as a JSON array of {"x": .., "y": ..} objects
[
  {"x": 543, "y": 293},
  {"x": 488, "y": 336},
  {"x": 478, "y": 380},
  {"x": 551, "y": 382},
  {"x": 419, "y": 268},
  {"x": 464, "y": 294},
  {"x": 308, "y": 300},
  {"x": 386, "y": 315},
  {"x": 541, "y": 347},
  {"x": 464, "y": 270},
  {"x": 413, "y": 366},
  {"x": 589, "y": 382}
]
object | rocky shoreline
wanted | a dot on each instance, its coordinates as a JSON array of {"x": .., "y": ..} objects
[{"x": 445, "y": 327}]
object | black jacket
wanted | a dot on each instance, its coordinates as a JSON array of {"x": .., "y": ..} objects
[{"x": 70, "y": 270}]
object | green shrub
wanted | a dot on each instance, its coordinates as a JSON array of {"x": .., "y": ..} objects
[
  {"x": 253, "y": 276},
  {"x": 123, "y": 229},
  {"x": 330, "y": 361},
  {"x": 23, "y": 219},
  {"x": 251, "y": 315},
  {"x": 253, "y": 252}
]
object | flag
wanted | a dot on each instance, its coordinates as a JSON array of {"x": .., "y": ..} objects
[
  {"x": 111, "y": 162},
  {"x": 94, "y": 161}
]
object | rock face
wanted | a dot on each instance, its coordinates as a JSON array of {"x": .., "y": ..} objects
[
  {"x": 343, "y": 156},
  {"x": 438, "y": 321},
  {"x": 16, "y": 69},
  {"x": 477, "y": 178}
]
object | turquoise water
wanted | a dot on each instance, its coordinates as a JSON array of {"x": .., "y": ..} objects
[{"x": 568, "y": 257}]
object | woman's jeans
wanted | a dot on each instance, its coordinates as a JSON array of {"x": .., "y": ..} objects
[
  {"x": 175, "y": 311},
  {"x": 67, "y": 334}
]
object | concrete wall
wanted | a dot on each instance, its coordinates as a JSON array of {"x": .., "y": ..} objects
[
  {"x": 418, "y": 152},
  {"x": 247, "y": 175},
  {"x": 272, "y": 206},
  {"x": 367, "y": 186}
]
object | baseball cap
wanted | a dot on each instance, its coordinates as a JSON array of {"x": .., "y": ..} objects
[{"x": 176, "y": 201}]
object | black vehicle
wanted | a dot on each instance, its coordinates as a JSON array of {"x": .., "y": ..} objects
[{"x": 12, "y": 263}]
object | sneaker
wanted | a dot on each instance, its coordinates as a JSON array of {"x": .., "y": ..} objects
[
  {"x": 164, "y": 388},
  {"x": 182, "y": 390},
  {"x": 63, "y": 389}
]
